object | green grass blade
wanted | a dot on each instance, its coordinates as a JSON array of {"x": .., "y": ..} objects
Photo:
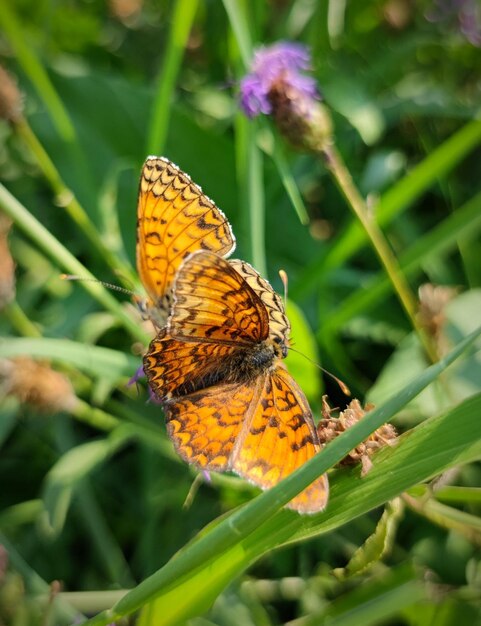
[
  {"x": 256, "y": 199},
  {"x": 440, "y": 240},
  {"x": 93, "y": 360},
  {"x": 394, "y": 471},
  {"x": 239, "y": 27},
  {"x": 191, "y": 593},
  {"x": 36, "y": 72},
  {"x": 290, "y": 184},
  {"x": 437, "y": 164},
  {"x": 54, "y": 250}
]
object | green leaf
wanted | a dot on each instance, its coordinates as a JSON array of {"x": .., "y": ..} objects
[
  {"x": 95, "y": 360},
  {"x": 71, "y": 469},
  {"x": 180, "y": 26},
  {"x": 302, "y": 362},
  {"x": 376, "y": 545}
]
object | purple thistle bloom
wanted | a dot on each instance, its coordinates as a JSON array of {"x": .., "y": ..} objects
[
  {"x": 466, "y": 13},
  {"x": 254, "y": 96},
  {"x": 282, "y": 61},
  {"x": 278, "y": 86}
]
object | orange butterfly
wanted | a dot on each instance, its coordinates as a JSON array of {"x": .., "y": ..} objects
[
  {"x": 229, "y": 401},
  {"x": 174, "y": 218}
]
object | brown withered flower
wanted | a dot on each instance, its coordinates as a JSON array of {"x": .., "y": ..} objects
[
  {"x": 431, "y": 313},
  {"x": 7, "y": 265},
  {"x": 126, "y": 11},
  {"x": 10, "y": 98},
  {"x": 36, "y": 384},
  {"x": 331, "y": 427}
]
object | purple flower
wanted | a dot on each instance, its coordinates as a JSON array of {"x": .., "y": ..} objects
[
  {"x": 136, "y": 377},
  {"x": 281, "y": 62},
  {"x": 466, "y": 14},
  {"x": 277, "y": 85}
]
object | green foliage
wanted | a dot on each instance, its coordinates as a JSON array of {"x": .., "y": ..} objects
[{"x": 94, "y": 495}]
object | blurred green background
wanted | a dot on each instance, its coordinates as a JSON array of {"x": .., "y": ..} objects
[{"x": 104, "y": 84}]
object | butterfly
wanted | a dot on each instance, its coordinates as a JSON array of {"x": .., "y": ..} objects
[
  {"x": 229, "y": 401},
  {"x": 174, "y": 218}
]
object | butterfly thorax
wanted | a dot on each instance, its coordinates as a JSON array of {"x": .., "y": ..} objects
[{"x": 245, "y": 365}]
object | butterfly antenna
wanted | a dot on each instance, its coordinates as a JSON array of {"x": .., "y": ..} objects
[
  {"x": 285, "y": 281},
  {"x": 100, "y": 282},
  {"x": 344, "y": 388}
]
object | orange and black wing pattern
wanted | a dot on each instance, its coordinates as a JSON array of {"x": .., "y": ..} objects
[
  {"x": 229, "y": 401},
  {"x": 278, "y": 437},
  {"x": 174, "y": 218},
  {"x": 212, "y": 302},
  {"x": 279, "y": 326}
]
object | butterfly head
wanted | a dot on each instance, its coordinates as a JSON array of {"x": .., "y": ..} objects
[
  {"x": 149, "y": 310},
  {"x": 280, "y": 346}
]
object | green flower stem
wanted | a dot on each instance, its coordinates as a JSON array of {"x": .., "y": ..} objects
[
  {"x": 60, "y": 255},
  {"x": 344, "y": 182},
  {"x": 256, "y": 204},
  {"x": 17, "y": 318},
  {"x": 93, "y": 416},
  {"x": 181, "y": 23},
  {"x": 66, "y": 199},
  {"x": 447, "y": 517}
]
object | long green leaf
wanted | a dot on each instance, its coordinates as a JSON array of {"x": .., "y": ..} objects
[
  {"x": 452, "y": 437},
  {"x": 181, "y": 24},
  {"x": 437, "y": 164},
  {"x": 440, "y": 240},
  {"x": 65, "y": 259},
  {"x": 94, "y": 360}
]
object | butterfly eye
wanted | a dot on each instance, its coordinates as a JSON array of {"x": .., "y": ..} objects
[{"x": 141, "y": 305}]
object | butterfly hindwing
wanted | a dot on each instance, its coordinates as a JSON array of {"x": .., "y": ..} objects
[
  {"x": 204, "y": 426},
  {"x": 178, "y": 368},
  {"x": 279, "y": 326},
  {"x": 278, "y": 437}
]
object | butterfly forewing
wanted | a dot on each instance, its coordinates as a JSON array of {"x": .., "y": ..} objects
[
  {"x": 279, "y": 326},
  {"x": 174, "y": 218}
]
